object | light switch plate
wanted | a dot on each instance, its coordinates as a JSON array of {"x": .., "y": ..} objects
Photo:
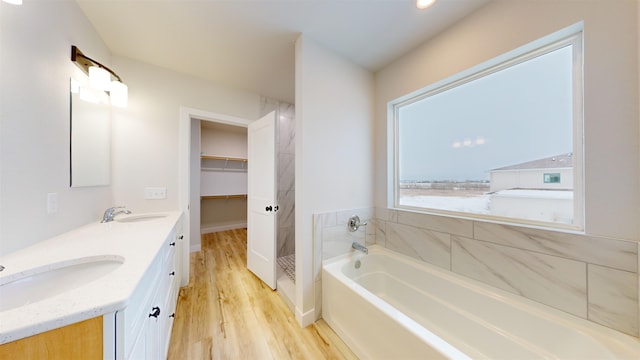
[{"x": 155, "y": 193}]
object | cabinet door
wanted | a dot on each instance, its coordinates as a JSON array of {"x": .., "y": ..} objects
[
  {"x": 139, "y": 348},
  {"x": 153, "y": 339},
  {"x": 261, "y": 200}
]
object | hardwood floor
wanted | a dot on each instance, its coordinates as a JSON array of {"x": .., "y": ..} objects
[{"x": 226, "y": 312}]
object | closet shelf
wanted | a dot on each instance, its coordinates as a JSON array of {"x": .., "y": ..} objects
[
  {"x": 236, "y": 196},
  {"x": 223, "y": 169},
  {"x": 226, "y": 158},
  {"x": 214, "y": 160}
]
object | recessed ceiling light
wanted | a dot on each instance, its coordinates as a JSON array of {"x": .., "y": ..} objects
[
  {"x": 14, "y": 2},
  {"x": 423, "y": 4}
]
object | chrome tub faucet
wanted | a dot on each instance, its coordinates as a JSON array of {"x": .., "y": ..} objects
[
  {"x": 353, "y": 224},
  {"x": 356, "y": 245},
  {"x": 113, "y": 211}
]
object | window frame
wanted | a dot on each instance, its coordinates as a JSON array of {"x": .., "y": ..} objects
[{"x": 570, "y": 36}]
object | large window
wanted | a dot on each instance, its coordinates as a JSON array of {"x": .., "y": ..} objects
[{"x": 502, "y": 142}]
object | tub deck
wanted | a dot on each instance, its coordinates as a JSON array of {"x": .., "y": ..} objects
[{"x": 394, "y": 306}]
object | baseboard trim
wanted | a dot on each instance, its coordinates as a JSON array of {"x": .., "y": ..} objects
[
  {"x": 307, "y": 318},
  {"x": 216, "y": 228}
]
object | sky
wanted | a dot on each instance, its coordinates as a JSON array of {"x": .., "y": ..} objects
[{"x": 518, "y": 114}]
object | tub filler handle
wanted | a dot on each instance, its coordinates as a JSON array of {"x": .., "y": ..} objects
[{"x": 354, "y": 223}]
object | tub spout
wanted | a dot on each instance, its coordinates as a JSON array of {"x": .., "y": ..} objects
[{"x": 359, "y": 247}]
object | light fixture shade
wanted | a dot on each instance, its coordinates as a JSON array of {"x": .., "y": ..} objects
[
  {"x": 119, "y": 94},
  {"x": 99, "y": 78},
  {"x": 423, "y": 4}
]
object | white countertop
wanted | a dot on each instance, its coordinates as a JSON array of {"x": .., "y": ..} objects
[{"x": 137, "y": 242}]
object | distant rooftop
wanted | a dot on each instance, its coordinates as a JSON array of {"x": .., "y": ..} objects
[{"x": 558, "y": 161}]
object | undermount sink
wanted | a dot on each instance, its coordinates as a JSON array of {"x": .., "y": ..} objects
[
  {"x": 141, "y": 217},
  {"x": 49, "y": 281}
]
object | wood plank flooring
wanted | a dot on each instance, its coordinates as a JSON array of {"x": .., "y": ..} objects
[{"x": 226, "y": 312}]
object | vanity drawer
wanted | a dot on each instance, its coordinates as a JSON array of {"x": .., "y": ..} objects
[
  {"x": 144, "y": 326},
  {"x": 141, "y": 304}
]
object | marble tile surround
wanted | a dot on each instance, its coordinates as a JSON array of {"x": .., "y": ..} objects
[
  {"x": 613, "y": 298},
  {"x": 524, "y": 273},
  {"x": 332, "y": 238},
  {"x": 285, "y": 145},
  {"x": 595, "y": 278}
]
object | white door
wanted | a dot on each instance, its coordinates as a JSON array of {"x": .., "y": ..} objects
[{"x": 261, "y": 200}]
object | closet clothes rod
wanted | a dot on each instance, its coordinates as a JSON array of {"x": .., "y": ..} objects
[
  {"x": 224, "y": 169},
  {"x": 238, "y": 196},
  {"x": 226, "y": 160},
  {"x": 213, "y": 157}
]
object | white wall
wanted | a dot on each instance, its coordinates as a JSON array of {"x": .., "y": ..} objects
[
  {"x": 146, "y": 133},
  {"x": 334, "y": 150},
  {"x": 35, "y": 67},
  {"x": 224, "y": 143},
  {"x": 611, "y": 91}
]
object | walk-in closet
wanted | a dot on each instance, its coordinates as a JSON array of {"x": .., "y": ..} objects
[
  {"x": 219, "y": 151},
  {"x": 223, "y": 177}
]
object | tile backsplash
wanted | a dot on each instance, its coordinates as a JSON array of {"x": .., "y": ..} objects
[{"x": 595, "y": 278}]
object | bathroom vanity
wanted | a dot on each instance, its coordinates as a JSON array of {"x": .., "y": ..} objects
[{"x": 105, "y": 290}]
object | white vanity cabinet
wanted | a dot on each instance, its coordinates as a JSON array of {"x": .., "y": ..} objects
[
  {"x": 143, "y": 328},
  {"x": 126, "y": 313}
]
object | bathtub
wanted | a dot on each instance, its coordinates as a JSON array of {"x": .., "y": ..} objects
[{"x": 388, "y": 306}]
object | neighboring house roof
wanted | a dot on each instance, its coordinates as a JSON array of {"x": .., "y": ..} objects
[{"x": 558, "y": 161}]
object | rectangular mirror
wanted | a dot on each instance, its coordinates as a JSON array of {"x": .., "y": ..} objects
[{"x": 90, "y": 136}]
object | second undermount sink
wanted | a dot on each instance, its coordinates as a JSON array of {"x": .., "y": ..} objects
[
  {"x": 52, "y": 280},
  {"x": 140, "y": 217}
]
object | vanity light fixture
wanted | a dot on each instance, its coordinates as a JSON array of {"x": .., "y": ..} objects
[
  {"x": 119, "y": 94},
  {"x": 100, "y": 77},
  {"x": 14, "y": 2},
  {"x": 423, "y": 4}
]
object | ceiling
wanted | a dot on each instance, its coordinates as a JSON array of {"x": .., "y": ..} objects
[{"x": 249, "y": 44}]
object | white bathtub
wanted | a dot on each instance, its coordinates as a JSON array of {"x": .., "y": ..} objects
[{"x": 393, "y": 307}]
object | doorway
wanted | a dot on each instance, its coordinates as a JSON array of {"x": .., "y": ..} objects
[
  {"x": 189, "y": 184},
  {"x": 223, "y": 176}
]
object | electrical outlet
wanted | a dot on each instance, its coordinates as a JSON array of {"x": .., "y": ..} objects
[
  {"x": 155, "y": 193},
  {"x": 52, "y": 203}
]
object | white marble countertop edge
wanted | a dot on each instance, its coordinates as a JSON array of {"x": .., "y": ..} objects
[{"x": 137, "y": 242}]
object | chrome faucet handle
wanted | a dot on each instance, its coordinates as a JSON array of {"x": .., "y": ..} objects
[
  {"x": 354, "y": 223},
  {"x": 111, "y": 212},
  {"x": 107, "y": 216}
]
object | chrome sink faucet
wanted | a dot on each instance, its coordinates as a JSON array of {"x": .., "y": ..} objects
[{"x": 113, "y": 211}]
